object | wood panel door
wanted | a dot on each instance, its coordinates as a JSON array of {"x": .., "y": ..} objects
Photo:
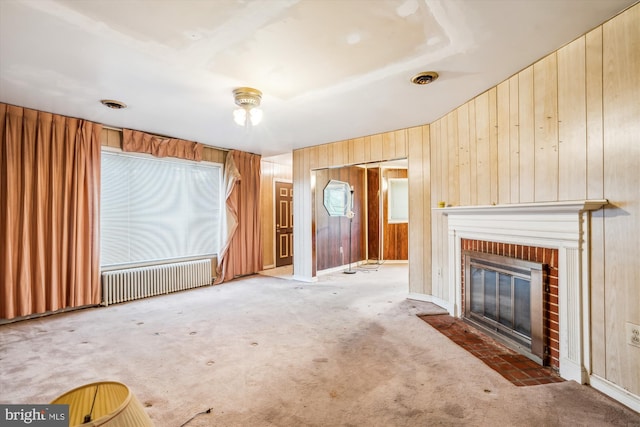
[{"x": 284, "y": 223}]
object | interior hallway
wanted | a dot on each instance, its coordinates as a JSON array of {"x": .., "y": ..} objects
[{"x": 262, "y": 351}]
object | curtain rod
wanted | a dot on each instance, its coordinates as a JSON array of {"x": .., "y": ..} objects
[{"x": 163, "y": 136}]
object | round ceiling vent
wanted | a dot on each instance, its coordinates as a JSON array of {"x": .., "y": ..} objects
[
  {"x": 424, "y": 77},
  {"x": 111, "y": 103}
]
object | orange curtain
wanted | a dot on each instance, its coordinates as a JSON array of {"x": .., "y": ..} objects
[
  {"x": 241, "y": 252},
  {"x": 140, "y": 142},
  {"x": 49, "y": 212}
]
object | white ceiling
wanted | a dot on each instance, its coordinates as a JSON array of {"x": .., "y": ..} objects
[{"x": 329, "y": 69}]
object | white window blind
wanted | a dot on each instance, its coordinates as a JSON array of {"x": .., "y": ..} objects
[{"x": 157, "y": 209}]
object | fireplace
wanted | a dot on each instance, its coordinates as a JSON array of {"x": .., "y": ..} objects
[
  {"x": 503, "y": 296},
  {"x": 537, "y": 233}
]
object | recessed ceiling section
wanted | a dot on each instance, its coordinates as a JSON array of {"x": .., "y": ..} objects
[
  {"x": 191, "y": 20},
  {"x": 333, "y": 42}
]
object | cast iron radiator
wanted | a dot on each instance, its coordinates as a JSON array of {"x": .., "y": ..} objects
[{"x": 142, "y": 282}]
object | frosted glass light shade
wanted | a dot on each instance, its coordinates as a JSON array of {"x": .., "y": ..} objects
[
  {"x": 254, "y": 115},
  {"x": 108, "y": 404},
  {"x": 240, "y": 116}
]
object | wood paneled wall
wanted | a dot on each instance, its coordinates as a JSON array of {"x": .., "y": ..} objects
[
  {"x": 332, "y": 233},
  {"x": 271, "y": 172},
  {"x": 618, "y": 158},
  {"x": 373, "y": 214},
  {"x": 395, "y": 237},
  {"x": 405, "y": 143},
  {"x": 565, "y": 128}
]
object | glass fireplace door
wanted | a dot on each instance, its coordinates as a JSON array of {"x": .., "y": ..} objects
[{"x": 504, "y": 295}]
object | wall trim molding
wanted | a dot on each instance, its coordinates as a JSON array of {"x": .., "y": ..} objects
[
  {"x": 432, "y": 299},
  {"x": 615, "y": 392},
  {"x": 340, "y": 268},
  {"x": 304, "y": 279}
]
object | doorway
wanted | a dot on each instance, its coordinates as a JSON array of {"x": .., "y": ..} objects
[
  {"x": 284, "y": 223},
  {"x": 379, "y": 234}
]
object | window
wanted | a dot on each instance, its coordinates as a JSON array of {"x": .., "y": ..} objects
[
  {"x": 157, "y": 209},
  {"x": 398, "y": 200}
]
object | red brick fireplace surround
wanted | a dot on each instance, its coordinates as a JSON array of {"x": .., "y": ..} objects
[{"x": 546, "y": 256}]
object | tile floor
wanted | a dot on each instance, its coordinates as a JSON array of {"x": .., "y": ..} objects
[{"x": 518, "y": 369}]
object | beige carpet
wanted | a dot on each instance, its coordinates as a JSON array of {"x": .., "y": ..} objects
[{"x": 348, "y": 350}]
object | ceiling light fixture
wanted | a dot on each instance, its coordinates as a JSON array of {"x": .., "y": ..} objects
[
  {"x": 248, "y": 100},
  {"x": 424, "y": 77}
]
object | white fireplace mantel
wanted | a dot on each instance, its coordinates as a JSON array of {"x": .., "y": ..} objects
[
  {"x": 560, "y": 225},
  {"x": 549, "y": 207}
]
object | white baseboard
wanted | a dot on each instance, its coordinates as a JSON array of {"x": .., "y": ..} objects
[
  {"x": 304, "y": 279},
  {"x": 615, "y": 392},
  {"x": 386, "y": 261},
  {"x": 356, "y": 264},
  {"x": 430, "y": 298},
  {"x": 339, "y": 268}
]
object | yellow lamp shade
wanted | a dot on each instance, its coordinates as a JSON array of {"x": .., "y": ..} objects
[{"x": 106, "y": 403}]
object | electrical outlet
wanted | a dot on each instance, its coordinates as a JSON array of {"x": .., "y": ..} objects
[
  {"x": 340, "y": 250},
  {"x": 633, "y": 334}
]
